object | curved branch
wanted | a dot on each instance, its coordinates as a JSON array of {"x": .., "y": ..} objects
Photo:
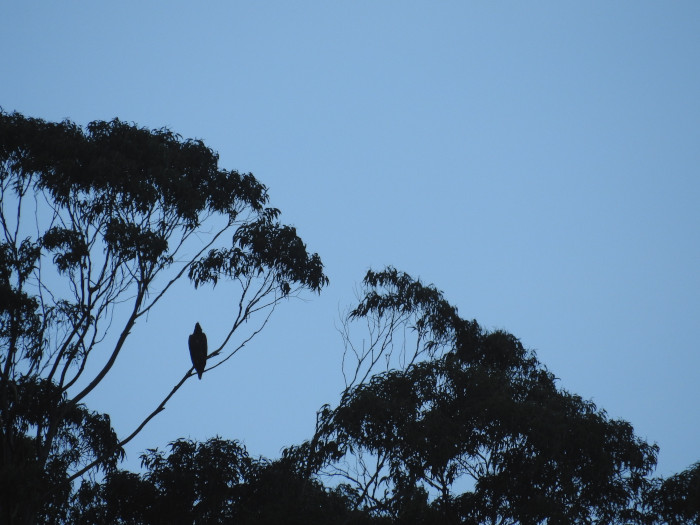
[
  {"x": 131, "y": 436},
  {"x": 122, "y": 338},
  {"x": 182, "y": 270}
]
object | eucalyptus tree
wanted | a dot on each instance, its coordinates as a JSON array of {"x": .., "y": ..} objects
[
  {"x": 444, "y": 421},
  {"x": 97, "y": 225}
]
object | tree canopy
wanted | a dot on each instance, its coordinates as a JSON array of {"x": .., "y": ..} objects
[
  {"x": 471, "y": 429},
  {"x": 439, "y": 421},
  {"x": 97, "y": 225},
  {"x": 474, "y": 426}
]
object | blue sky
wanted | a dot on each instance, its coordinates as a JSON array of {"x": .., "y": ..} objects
[{"x": 539, "y": 162}]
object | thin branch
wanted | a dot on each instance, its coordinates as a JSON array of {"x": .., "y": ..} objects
[
  {"x": 240, "y": 346},
  {"x": 182, "y": 270},
  {"x": 138, "y": 429},
  {"x": 120, "y": 342}
]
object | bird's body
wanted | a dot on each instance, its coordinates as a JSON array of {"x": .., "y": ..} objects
[{"x": 198, "y": 349}]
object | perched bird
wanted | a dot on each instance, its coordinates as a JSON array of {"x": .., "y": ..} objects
[{"x": 198, "y": 349}]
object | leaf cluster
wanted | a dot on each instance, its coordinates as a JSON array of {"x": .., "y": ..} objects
[{"x": 120, "y": 165}]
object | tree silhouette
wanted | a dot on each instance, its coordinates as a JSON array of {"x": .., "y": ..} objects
[
  {"x": 676, "y": 499},
  {"x": 204, "y": 483},
  {"x": 97, "y": 226},
  {"x": 443, "y": 418},
  {"x": 441, "y": 422}
]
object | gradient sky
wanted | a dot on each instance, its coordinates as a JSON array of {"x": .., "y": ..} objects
[{"x": 538, "y": 162}]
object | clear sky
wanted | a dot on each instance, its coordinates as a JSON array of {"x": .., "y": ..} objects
[{"x": 537, "y": 161}]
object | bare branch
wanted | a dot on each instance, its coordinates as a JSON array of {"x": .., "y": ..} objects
[{"x": 154, "y": 413}]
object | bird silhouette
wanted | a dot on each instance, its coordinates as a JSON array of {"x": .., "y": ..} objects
[{"x": 198, "y": 349}]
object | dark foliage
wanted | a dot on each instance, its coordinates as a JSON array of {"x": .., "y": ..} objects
[
  {"x": 473, "y": 429},
  {"x": 676, "y": 500},
  {"x": 96, "y": 225},
  {"x": 207, "y": 483},
  {"x": 441, "y": 421}
]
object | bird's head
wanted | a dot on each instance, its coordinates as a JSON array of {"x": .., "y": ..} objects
[{"x": 197, "y": 329}]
